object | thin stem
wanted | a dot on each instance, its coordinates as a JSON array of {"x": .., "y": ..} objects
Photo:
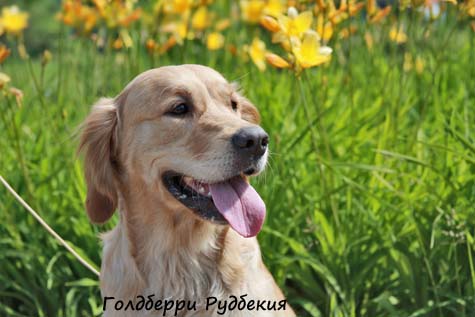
[
  {"x": 37, "y": 84},
  {"x": 18, "y": 148},
  {"x": 326, "y": 189}
]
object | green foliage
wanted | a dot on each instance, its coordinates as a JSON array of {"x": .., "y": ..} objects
[{"x": 370, "y": 188}]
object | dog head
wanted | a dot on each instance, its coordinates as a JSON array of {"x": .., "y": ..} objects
[{"x": 186, "y": 134}]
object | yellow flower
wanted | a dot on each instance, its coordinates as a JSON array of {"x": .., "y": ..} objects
[
  {"x": 257, "y": 52},
  {"x": 167, "y": 45},
  {"x": 215, "y": 41},
  {"x": 397, "y": 36},
  {"x": 368, "y": 38},
  {"x": 320, "y": 6},
  {"x": 4, "y": 79},
  {"x": 276, "y": 61},
  {"x": 309, "y": 53},
  {"x": 348, "y": 31},
  {"x": 295, "y": 24},
  {"x": 251, "y": 10},
  {"x": 380, "y": 14},
  {"x": 126, "y": 39},
  {"x": 468, "y": 7},
  {"x": 177, "y": 6},
  {"x": 419, "y": 65},
  {"x": 325, "y": 30},
  {"x": 118, "y": 43},
  {"x": 270, "y": 23},
  {"x": 283, "y": 40},
  {"x": 118, "y": 13},
  {"x": 201, "y": 19},
  {"x": 179, "y": 30},
  {"x": 222, "y": 24},
  {"x": 371, "y": 7},
  {"x": 151, "y": 45},
  {"x": 4, "y": 53},
  {"x": 274, "y": 8},
  {"x": 353, "y": 8},
  {"x": 13, "y": 20},
  {"x": 81, "y": 17},
  {"x": 22, "y": 51}
]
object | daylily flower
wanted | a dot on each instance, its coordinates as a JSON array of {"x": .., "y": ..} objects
[
  {"x": 371, "y": 7},
  {"x": 419, "y": 65},
  {"x": 82, "y": 18},
  {"x": 4, "y": 79},
  {"x": 4, "y": 53},
  {"x": 172, "y": 41},
  {"x": 368, "y": 38},
  {"x": 397, "y": 35},
  {"x": 380, "y": 14},
  {"x": 178, "y": 29},
  {"x": 117, "y": 13},
  {"x": 321, "y": 6},
  {"x": 295, "y": 24},
  {"x": 177, "y": 6},
  {"x": 274, "y": 8},
  {"x": 309, "y": 53},
  {"x": 270, "y": 23},
  {"x": 283, "y": 40},
  {"x": 345, "y": 10},
  {"x": 276, "y": 61},
  {"x": 222, "y": 25},
  {"x": 13, "y": 20},
  {"x": 215, "y": 41},
  {"x": 348, "y": 31},
  {"x": 201, "y": 19},
  {"x": 468, "y": 7},
  {"x": 257, "y": 52},
  {"x": 325, "y": 30},
  {"x": 252, "y": 10},
  {"x": 118, "y": 43},
  {"x": 151, "y": 46},
  {"x": 126, "y": 38}
]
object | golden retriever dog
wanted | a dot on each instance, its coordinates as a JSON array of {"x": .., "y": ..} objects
[{"x": 172, "y": 153}]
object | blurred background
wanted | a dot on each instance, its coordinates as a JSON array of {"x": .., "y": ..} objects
[{"x": 370, "y": 106}]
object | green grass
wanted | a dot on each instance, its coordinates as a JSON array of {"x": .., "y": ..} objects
[{"x": 370, "y": 187}]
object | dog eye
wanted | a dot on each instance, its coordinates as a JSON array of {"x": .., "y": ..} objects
[
  {"x": 179, "y": 110},
  {"x": 234, "y": 105}
]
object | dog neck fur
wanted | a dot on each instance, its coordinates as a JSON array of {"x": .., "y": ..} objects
[{"x": 157, "y": 251}]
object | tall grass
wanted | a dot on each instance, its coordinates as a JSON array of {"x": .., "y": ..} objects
[{"x": 370, "y": 187}]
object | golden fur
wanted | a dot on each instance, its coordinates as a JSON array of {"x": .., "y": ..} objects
[{"x": 159, "y": 246}]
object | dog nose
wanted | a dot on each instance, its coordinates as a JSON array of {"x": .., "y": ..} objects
[{"x": 251, "y": 140}]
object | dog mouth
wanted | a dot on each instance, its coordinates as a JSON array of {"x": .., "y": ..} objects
[{"x": 233, "y": 201}]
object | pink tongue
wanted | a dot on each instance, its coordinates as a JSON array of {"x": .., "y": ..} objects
[{"x": 240, "y": 205}]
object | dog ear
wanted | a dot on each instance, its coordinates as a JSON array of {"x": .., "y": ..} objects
[{"x": 99, "y": 145}]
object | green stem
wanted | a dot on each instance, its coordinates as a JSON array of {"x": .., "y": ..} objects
[
  {"x": 18, "y": 148},
  {"x": 326, "y": 187},
  {"x": 37, "y": 84}
]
